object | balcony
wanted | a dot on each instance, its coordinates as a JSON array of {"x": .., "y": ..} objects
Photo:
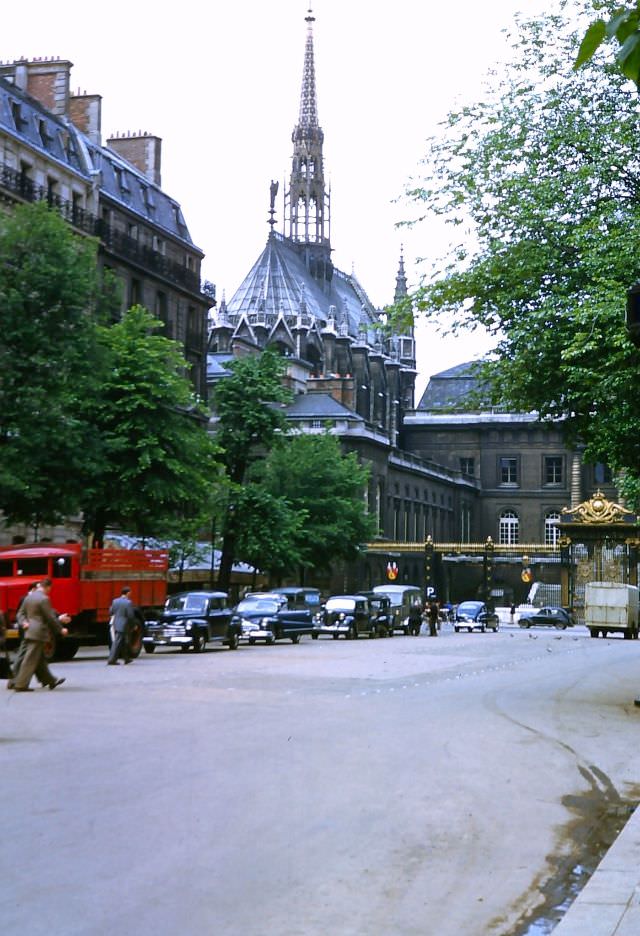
[{"x": 17, "y": 184}]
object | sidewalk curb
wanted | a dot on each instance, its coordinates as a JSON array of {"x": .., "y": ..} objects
[{"x": 609, "y": 904}]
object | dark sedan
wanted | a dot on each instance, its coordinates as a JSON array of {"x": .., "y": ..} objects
[
  {"x": 550, "y": 616},
  {"x": 474, "y": 615},
  {"x": 192, "y": 620},
  {"x": 267, "y": 616}
]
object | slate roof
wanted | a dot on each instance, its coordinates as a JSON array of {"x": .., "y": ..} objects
[
  {"x": 319, "y": 406},
  {"x": 61, "y": 141},
  {"x": 451, "y": 389},
  {"x": 280, "y": 283}
]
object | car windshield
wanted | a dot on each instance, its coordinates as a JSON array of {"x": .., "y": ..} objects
[
  {"x": 469, "y": 607},
  {"x": 340, "y": 604},
  {"x": 259, "y": 605},
  {"x": 196, "y": 603}
]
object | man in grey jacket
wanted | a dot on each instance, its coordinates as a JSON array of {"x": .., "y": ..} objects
[
  {"x": 122, "y": 615},
  {"x": 39, "y": 620}
]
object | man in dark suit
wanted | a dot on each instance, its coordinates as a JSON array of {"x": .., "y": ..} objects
[
  {"x": 39, "y": 621},
  {"x": 122, "y": 613}
]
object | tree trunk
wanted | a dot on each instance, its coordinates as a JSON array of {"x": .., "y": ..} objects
[{"x": 226, "y": 561}]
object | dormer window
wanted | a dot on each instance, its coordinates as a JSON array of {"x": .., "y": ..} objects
[
  {"x": 19, "y": 119},
  {"x": 45, "y": 136}
]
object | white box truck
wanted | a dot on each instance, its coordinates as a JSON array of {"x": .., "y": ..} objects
[{"x": 611, "y": 608}]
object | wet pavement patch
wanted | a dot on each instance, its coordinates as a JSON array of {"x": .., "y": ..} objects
[{"x": 600, "y": 814}]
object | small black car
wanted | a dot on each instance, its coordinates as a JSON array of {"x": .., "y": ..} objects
[
  {"x": 193, "y": 619},
  {"x": 381, "y": 612},
  {"x": 267, "y": 616},
  {"x": 470, "y": 615},
  {"x": 549, "y": 616},
  {"x": 346, "y": 615}
]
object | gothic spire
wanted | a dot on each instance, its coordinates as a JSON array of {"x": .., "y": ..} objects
[
  {"x": 308, "y": 105},
  {"x": 307, "y": 203},
  {"x": 401, "y": 280}
]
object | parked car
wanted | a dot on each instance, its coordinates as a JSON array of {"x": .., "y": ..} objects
[
  {"x": 382, "y": 612},
  {"x": 474, "y": 615},
  {"x": 347, "y": 616},
  {"x": 300, "y": 598},
  {"x": 549, "y": 616},
  {"x": 192, "y": 620},
  {"x": 402, "y": 598},
  {"x": 267, "y": 616}
]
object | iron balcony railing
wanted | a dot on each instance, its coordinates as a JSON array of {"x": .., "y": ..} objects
[{"x": 15, "y": 182}]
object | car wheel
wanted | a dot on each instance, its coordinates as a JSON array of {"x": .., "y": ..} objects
[
  {"x": 335, "y": 636},
  {"x": 483, "y": 628},
  {"x": 252, "y": 642},
  {"x": 270, "y": 641},
  {"x": 149, "y": 648},
  {"x": 295, "y": 638},
  {"x": 314, "y": 636},
  {"x": 456, "y": 629},
  {"x": 353, "y": 633},
  {"x": 373, "y": 633},
  {"x": 198, "y": 642},
  {"x": 234, "y": 642},
  {"x": 184, "y": 648}
]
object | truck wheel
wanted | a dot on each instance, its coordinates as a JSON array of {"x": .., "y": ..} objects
[
  {"x": 135, "y": 639},
  {"x": 67, "y": 649},
  {"x": 593, "y": 632},
  {"x": 628, "y": 635},
  {"x": 50, "y": 647},
  {"x": 149, "y": 648}
]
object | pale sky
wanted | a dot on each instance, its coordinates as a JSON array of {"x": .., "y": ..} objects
[{"x": 220, "y": 83}]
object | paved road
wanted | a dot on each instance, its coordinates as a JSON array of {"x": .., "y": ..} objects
[{"x": 407, "y": 786}]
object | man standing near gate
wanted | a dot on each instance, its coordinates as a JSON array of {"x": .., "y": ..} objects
[{"x": 122, "y": 614}]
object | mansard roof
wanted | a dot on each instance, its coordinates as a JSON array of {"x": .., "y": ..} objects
[
  {"x": 281, "y": 283},
  {"x": 30, "y": 123},
  {"x": 451, "y": 389}
]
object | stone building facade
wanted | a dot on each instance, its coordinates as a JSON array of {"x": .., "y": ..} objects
[{"x": 51, "y": 149}]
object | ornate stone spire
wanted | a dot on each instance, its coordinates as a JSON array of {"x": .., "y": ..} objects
[
  {"x": 307, "y": 201},
  {"x": 401, "y": 280}
]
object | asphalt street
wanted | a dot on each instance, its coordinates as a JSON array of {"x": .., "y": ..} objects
[{"x": 400, "y": 786}]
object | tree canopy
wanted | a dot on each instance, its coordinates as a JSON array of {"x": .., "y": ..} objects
[
  {"x": 157, "y": 465},
  {"x": 49, "y": 364},
  {"x": 623, "y": 27},
  {"x": 545, "y": 173},
  {"x": 327, "y": 487},
  {"x": 249, "y": 416}
]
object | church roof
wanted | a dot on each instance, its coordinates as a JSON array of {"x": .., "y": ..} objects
[
  {"x": 319, "y": 406},
  {"x": 452, "y": 389},
  {"x": 280, "y": 283}
]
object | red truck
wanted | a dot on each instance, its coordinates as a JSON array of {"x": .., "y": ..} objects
[{"x": 85, "y": 582}]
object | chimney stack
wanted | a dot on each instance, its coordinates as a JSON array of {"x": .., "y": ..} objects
[
  {"x": 46, "y": 80},
  {"x": 85, "y": 113},
  {"x": 142, "y": 150}
]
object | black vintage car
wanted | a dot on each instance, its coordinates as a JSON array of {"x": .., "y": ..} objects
[
  {"x": 267, "y": 616},
  {"x": 192, "y": 620},
  {"x": 472, "y": 615},
  {"x": 381, "y": 612},
  {"x": 549, "y": 616},
  {"x": 346, "y": 615}
]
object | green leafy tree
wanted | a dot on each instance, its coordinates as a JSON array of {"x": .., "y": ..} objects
[
  {"x": 271, "y": 536},
  {"x": 545, "y": 173},
  {"x": 249, "y": 414},
  {"x": 327, "y": 488},
  {"x": 49, "y": 364},
  {"x": 158, "y": 463},
  {"x": 623, "y": 27}
]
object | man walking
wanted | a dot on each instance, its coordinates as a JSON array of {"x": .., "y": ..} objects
[
  {"x": 39, "y": 621},
  {"x": 22, "y": 646},
  {"x": 122, "y": 614}
]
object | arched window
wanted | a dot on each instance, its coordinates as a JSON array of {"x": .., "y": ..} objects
[
  {"x": 551, "y": 529},
  {"x": 509, "y": 531}
]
